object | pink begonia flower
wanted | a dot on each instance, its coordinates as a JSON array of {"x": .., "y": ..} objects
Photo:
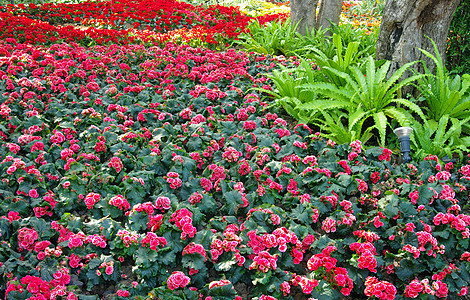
[
  {"x": 33, "y": 193},
  {"x": 177, "y": 280}
]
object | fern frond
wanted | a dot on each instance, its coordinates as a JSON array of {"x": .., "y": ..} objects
[
  {"x": 399, "y": 114},
  {"x": 397, "y": 75},
  {"x": 421, "y": 136},
  {"x": 411, "y": 106},
  {"x": 370, "y": 72},
  {"x": 351, "y": 50},
  {"x": 381, "y": 125},
  {"x": 462, "y": 109},
  {"x": 451, "y": 101},
  {"x": 329, "y": 90},
  {"x": 325, "y": 105},
  {"x": 357, "y": 117},
  {"x": 441, "y": 129}
]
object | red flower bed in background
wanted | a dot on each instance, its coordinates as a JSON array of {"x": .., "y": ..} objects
[{"x": 124, "y": 22}]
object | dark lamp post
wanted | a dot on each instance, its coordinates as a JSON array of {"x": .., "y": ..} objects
[{"x": 403, "y": 134}]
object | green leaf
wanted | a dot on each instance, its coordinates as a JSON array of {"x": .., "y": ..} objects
[
  {"x": 262, "y": 278},
  {"x": 194, "y": 143},
  {"x": 381, "y": 125},
  {"x": 407, "y": 209},
  {"x": 194, "y": 261},
  {"x": 87, "y": 297},
  {"x": 138, "y": 221},
  {"x": 231, "y": 201},
  {"x": 408, "y": 269},
  {"x": 16, "y": 295},
  {"x": 145, "y": 257},
  {"x": 389, "y": 205}
]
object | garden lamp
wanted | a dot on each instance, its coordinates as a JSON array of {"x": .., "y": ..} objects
[{"x": 403, "y": 134}]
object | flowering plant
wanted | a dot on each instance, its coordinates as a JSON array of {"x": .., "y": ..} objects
[
  {"x": 125, "y": 21},
  {"x": 139, "y": 171}
]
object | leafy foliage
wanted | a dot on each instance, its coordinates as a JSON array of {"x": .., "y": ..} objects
[
  {"x": 443, "y": 138},
  {"x": 444, "y": 94},
  {"x": 367, "y": 95},
  {"x": 458, "y": 44},
  {"x": 273, "y": 38},
  {"x": 159, "y": 172},
  {"x": 338, "y": 62},
  {"x": 289, "y": 92}
]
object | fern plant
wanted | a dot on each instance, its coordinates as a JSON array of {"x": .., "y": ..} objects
[
  {"x": 349, "y": 33},
  {"x": 439, "y": 138},
  {"x": 314, "y": 38},
  {"x": 339, "y": 62},
  {"x": 443, "y": 94},
  {"x": 337, "y": 126},
  {"x": 289, "y": 92},
  {"x": 367, "y": 96},
  {"x": 272, "y": 38}
]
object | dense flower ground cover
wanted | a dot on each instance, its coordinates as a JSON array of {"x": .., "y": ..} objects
[
  {"x": 115, "y": 22},
  {"x": 158, "y": 172}
]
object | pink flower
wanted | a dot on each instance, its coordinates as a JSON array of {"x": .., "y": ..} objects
[
  {"x": 11, "y": 170},
  {"x": 352, "y": 156},
  {"x": 123, "y": 293},
  {"x": 381, "y": 289},
  {"x": 375, "y": 177},
  {"x": 440, "y": 288},
  {"x": 362, "y": 185},
  {"x": 249, "y": 125},
  {"x": 264, "y": 262},
  {"x": 231, "y": 154},
  {"x": 116, "y": 163},
  {"x": 222, "y": 282},
  {"x": 177, "y": 280},
  {"x": 329, "y": 225},
  {"x": 33, "y": 193},
  {"x": 285, "y": 288},
  {"x": 26, "y": 238},
  {"x": 386, "y": 154},
  {"x": 174, "y": 180},
  {"x": 91, "y": 199},
  {"x": 74, "y": 260},
  {"x": 264, "y": 297},
  {"x": 367, "y": 261},
  {"x": 206, "y": 184},
  {"x": 109, "y": 270},
  {"x": 163, "y": 203},
  {"x": 120, "y": 202}
]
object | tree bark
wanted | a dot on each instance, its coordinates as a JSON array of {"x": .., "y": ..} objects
[
  {"x": 330, "y": 10},
  {"x": 405, "y": 25},
  {"x": 303, "y": 12}
]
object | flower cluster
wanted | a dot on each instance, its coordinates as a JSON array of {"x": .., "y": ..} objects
[
  {"x": 120, "y": 202},
  {"x": 182, "y": 219},
  {"x": 325, "y": 264},
  {"x": 380, "y": 289},
  {"x": 177, "y": 280}
]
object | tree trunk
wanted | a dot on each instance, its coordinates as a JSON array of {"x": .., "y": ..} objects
[
  {"x": 303, "y": 12},
  {"x": 405, "y": 25},
  {"x": 330, "y": 11}
]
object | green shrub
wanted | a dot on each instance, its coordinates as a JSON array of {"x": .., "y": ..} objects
[
  {"x": 443, "y": 138},
  {"x": 458, "y": 44},
  {"x": 367, "y": 95},
  {"x": 272, "y": 38}
]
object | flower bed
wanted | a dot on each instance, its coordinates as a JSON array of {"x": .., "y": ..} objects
[
  {"x": 157, "y": 172},
  {"x": 141, "y": 170},
  {"x": 122, "y": 22}
]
